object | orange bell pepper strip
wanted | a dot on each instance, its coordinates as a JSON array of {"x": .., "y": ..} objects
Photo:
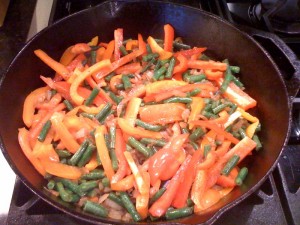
[
  {"x": 67, "y": 57},
  {"x": 164, "y": 85},
  {"x": 238, "y": 96},
  {"x": 103, "y": 152},
  {"x": 209, "y": 198},
  {"x": 118, "y": 35},
  {"x": 80, "y": 48},
  {"x": 25, "y": 146},
  {"x": 157, "y": 49},
  {"x": 62, "y": 170},
  {"x": 94, "y": 41},
  {"x": 109, "y": 50},
  {"x": 120, "y": 148},
  {"x": 45, "y": 151},
  {"x": 190, "y": 52},
  {"x": 65, "y": 136},
  {"x": 169, "y": 38},
  {"x": 182, "y": 66},
  {"x": 124, "y": 184},
  {"x": 208, "y": 162},
  {"x": 198, "y": 189},
  {"x": 162, "y": 113},
  {"x": 160, "y": 206},
  {"x": 130, "y": 44},
  {"x": 223, "y": 148},
  {"x": 56, "y": 66},
  {"x": 77, "y": 99},
  {"x": 93, "y": 163},
  {"x": 213, "y": 75},
  {"x": 142, "y": 44},
  {"x": 30, "y": 102},
  {"x": 142, "y": 200},
  {"x": 115, "y": 80},
  {"x": 228, "y": 181},
  {"x": 205, "y": 65},
  {"x": 129, "y": 68},
  {"x": 196, "y": 107},
  {"x": 213, "y": 126},
  {"x": 136, "y": 131},
  {"x": 250, "y": 130},
  {"x": 222, "y": 119},
  {"x": 99, "y": 54},
  {"x": 132, "y": 110}
]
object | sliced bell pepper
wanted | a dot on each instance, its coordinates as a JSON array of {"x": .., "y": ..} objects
[
  {"x": 124, "y": 184},
  {"x": 45, "y": 151},
  {"x": 198, "y": 189},
  {"x": 250, "y": 130},
  {"x": 169, "y": 37},
  {"x": 159, "y": 86},
  {"x": 103, "y": 152},
  {"x": 190, "y": 52},
  {"x": 136, "y": 131},
  {"x": 142, "y": 44},
  {"x": 142, "y": 199},
  {"x": 182, "y": 66},
  {"x": 213, "y": 75},
  {"x": 247, "y": 115},
  {"x": 109, "y": 50},
  {"x": 25, "y": 146},
  {"x": 130, "y": 44},
  {"x": 196, "y": 107},
  {"x": 132, "y": 110},
  {"x": 94, "y": 41},
  {"x": 223, "y": 148},
  {"x": 93, "y": 163},
  {"x": 129, "y": 68},
  {"x": 157, "y": 49},
  {"x": 118, "y": 35},
  {"x": 80, "y": 48},
  {"x": 209, "y": 198},
  {"x": 67, "y": 57},
  {"x": 206, "y": 65}
]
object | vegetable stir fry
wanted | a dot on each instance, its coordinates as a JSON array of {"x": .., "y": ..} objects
[{"x": 139, "y": 129}]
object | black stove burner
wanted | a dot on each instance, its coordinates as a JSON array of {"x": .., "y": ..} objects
[{"x": 278, "y": 199}]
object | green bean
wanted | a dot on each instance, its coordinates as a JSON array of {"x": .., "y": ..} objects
[
  {"x": 95, "y": 174},
  {"x": 237, "y": 81},
  {"x": 105, "y": 182},
  {"x": 48, "y": 176},
  {"x": 156, "y": 142},
  {"x": 241, "y": 176},
  {"x": 258, "y": 143},
  {"x": 170, "y": 69},
  {"x": 159, "y": 73},
  {"x": 123, "y": 50},
  {"x": 194, "y": 145},
  {"x": 157, "y": 195},
  {"x": 51, "y": 184},
  {"x": 93, "y": 57},
  {"x": 258, "y": 128},
  {"x": 120, "y": 86},
  {"x": 148, "y": 66},
  {"x": 44, "y": 131},
  {"x": 150, "y": 56},
  {"x": 68, "y": 104},
  {"x": 219, "y": 108},
  {"x": 227, "y": 79},
  {"x": 65, "y": 196},
  {"x": 114, "y": 159},
  {"x": 179, "y": 213},
  {"x": 139, "y": 147},
  {"x": 233, "y": 108},
  {"x": 215, "y": 104},
  {"x": 179, "y": 45},
  {"x": 95, "y": 208},
  {"x": 149, "y": 50},
  {"x": 209, "y": 114},
  {"x": 92, "y": 193},
  {"x": 204, "y": 57},
  {"x": 126, "y": 82},
  {"x": 112, "y": 196},
  {"x": 195, "y": 78},
  {"x": 86, "y": 156},
  {"x": 78, "y": 154},
  {"x": 92, "y": 96},
  {"x": 94, "y": 47},
  {"x": 130, "y": 207},
  {"x": 185, "y": 130},
  {"x": 112, "y": 134},
  {"x": 115, "y": 98},
  {"x": 235, "y": 69},
  {"x": 242, "y": 133},
  {"x": 193, "y": 92},
  {"x": 109, "y": 76},
  {"x": 63, "y": 161},
  {"x": 53, "y": 92},
  {"x": 186, "y": 75},
  {"x": 71, "y": 186},
  {"x": 178, "y": 100},
  {"x": 87, "y": 186},
  {"x": 148, "y": 126},
  {"x": 196, "y": 134},
  {"x": 189, "y": 202},
  {"x": 164, "y": 61},
  {"x": 236, "y": 135},
  {"x": 101, "y": 116},
  {"x": 232, "y": 162},
  {"x": 88, "y": 115},
  {"x": 207, "y": 149}
]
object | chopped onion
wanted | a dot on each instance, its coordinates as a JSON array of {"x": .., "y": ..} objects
[
  {"x": 103, "y": 198},
  {"x": 127, "y": 217},
  {"x": 115, "y": 214},
  {"x": 111, "y": 204}
]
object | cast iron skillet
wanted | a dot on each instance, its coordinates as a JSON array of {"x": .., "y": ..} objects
[{"x": 258, "y": 72}]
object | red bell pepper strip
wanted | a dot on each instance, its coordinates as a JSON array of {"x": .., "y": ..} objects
[
  {"x": 206, "y": 65},
  {"x": 129, "y": 68},
  {"x": 169, "y": 37},
  {"x": 160, "y": 207},
  {"x": 183, "y": 64},
  {"x": 80, "y": 48},
  {"x": 109, "y": 50},
  {"x": 157, "y": 49},
  {"x": 122, "y": 164},
  {"x": 118, "y": 34},
  {"x": 142, "y": 44},
  {"x": 190, "y": 52},
  {"x": 198, "y": 189}
]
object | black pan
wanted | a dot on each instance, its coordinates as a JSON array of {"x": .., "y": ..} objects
[{"x": 258, "y": 72}]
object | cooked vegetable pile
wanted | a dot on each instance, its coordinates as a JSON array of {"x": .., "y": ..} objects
[{"x": 139, "y": 130}]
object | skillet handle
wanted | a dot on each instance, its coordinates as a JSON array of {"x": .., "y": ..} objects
[{"x": 284, "y": 57}]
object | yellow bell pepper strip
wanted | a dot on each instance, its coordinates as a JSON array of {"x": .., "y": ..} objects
[
  {"x": 93, "y": 163},
  {"x": 77, "y": 99},
  {"x": 124, "y": 184},
  {"x": 25, "y": 146},
  {"x": 213, "y": 126},
  {"x": 196, "y": 107},
  {"x": 118, "y": 35},
  {"x": 139, "y": 180},
  {"x": 94, "y": 41},
  {"x": 142, "y": 200},
  {"x": 198, "y": 189},
  {"x": 67, "y": 57},
  {"x": 103, "y": 152},
  {"x": 130, "y": 44},
  {"x": 132, "y": 110},
  {"x": 137, "y": 132},
  {"x": 65, "y": 136},
  {"x": 120, "y": 148},
  {"x": 87, "y": 109},
  {"x": 45, "y": 151},
  {"x": 247, "y": 115},
  {"x": 206, "y": 65},
  {"x": 157, "y": 49},
  {"x": 56, "y": 66},
  {"x": 209, "y": 198},
  {"x": 164, "y": 85},
  {"x": 62, "y": 170},
  {"x": 30, "y": 102},
  {"x": 250, "y": 130},
  {"x": 160, "y": 206},
  {"x": 234, "y": 116},
  {"x": 169, "y": 37}
]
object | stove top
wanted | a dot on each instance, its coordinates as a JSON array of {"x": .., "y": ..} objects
[{"x": 278, "y": 199}]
